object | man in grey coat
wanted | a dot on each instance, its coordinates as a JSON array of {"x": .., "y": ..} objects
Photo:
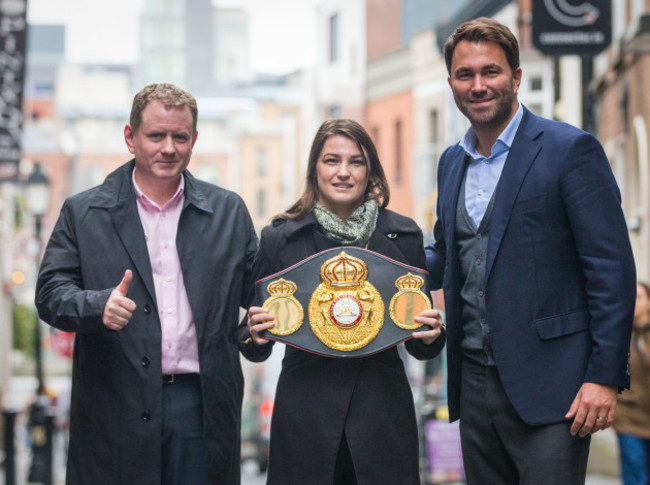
[{"x": 150, "y": 269}]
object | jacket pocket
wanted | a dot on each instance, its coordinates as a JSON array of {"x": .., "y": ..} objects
[{"x": 560, "y": 325}]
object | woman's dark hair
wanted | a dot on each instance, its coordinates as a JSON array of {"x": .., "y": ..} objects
[{"x": 377, "y": 185}]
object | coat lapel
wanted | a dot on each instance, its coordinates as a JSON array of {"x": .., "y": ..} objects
[
  {"x": 380, "y": 243},
  {"x": 190, "y": 246},
  {"x": 450, "y": 199},
  {"x": 523, "y": 152},
  {"x": 127, "y": 223}
]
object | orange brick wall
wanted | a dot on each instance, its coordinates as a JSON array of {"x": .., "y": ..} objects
[{"x": 381, "y": 118}]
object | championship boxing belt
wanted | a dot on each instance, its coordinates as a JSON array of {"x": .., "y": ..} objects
[{"x": 344, "y": 302}]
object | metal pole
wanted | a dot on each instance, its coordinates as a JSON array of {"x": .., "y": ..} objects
[
  {"x": 40, "y": 390},
  {"x": 37, "y": 332},
  {"x": 49, "y": 431},
  {"x": 41, "y": 421},
  {"x": 588, "y": 115},
  {"x": 10, "y": 449},
  {"x": 41, "y": 424}
]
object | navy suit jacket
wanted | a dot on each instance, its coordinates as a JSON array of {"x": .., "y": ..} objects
[{"x": 560, "y": 275}]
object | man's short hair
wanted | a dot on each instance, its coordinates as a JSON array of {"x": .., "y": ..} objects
[
  {"x": 169, "y": 95},
  {"x": 484, "y": 29}
]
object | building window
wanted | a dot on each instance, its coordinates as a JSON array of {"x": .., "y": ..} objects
[
  {"x": 536, "y": 83},
  {"x": 261, "y": 160},
  {"x": 334, "y": 37},
  {"x": 398, "y": 151},
  {"x": 261, "y": 203},
  {"x": 334, "y": 111},
  {"x": 433, "y": 126}
]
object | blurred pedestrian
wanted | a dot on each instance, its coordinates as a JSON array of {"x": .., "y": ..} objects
[
  {"x": 632, "y": 423},
  {"x": 150, "y": 269},
  {"x": 532, "y": 251},
  {"x": 344, "y": 420}
]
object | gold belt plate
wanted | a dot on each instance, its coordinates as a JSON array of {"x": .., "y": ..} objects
[
  {"x": 287, "y": 311},
  {"x": 346, "y": 312},
  {"x": 408, "y": 302}
]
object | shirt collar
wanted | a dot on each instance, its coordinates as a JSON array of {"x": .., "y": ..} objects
[
  {"x": 503, "y": 143},
  {"x": 141, "y": 196}
]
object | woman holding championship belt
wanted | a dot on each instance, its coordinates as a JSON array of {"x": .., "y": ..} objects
[{"x": 342, "y": 420}]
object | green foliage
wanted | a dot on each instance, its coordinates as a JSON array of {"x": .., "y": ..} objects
[
  {"x": 19, "y": 210},
  {"x": 24, "y": 327}
]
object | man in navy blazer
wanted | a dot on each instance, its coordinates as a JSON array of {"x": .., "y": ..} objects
[{"x": 532, "y": 251}]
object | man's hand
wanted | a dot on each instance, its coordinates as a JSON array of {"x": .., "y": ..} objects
[
  {"x": 259, "y": 319},
  {"x": 433, "y": 319},
  {"x": 593, "y": 408},
  {"x": 119, "y": 308}
]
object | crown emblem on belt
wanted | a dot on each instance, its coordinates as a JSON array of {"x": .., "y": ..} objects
[
  {"x": 281, "y": 287},
  {"x": 343, "y": 270},
  {"x": 409, "y": 282}
]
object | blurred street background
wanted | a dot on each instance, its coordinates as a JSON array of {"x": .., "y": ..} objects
[
  {"x": 603, "y": 467},
  {"x": 265, "y": 75}
]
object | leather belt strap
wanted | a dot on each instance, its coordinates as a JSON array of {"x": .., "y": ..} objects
[
  {"x": 344, "y": 302},
  {"x": 173, "y": 378}
]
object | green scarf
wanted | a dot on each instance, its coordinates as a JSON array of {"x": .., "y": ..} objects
[{"x": 356, "y": 230}]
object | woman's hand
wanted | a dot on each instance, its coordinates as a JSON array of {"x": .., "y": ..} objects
[
  {"x": 259, "y": 319},
  {"x": 433, "y": 319}
]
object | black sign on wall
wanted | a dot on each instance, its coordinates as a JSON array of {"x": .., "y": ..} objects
[
  {"x": 568, "y": 27},
  {"x": 13, "y": 33}
]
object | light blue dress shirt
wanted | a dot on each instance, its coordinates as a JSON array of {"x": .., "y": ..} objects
[{"x": 483, "y": 173}]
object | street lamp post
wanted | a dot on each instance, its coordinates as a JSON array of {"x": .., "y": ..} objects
[{"x": 37, "y": 196}]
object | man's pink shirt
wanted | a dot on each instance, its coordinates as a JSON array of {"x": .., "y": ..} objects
[{"x": 180, "y": 352}]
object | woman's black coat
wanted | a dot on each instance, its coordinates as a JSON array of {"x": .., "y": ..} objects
[{"x": 320, "y": 398}]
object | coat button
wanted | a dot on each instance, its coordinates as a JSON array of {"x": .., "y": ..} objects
[
  {"x": 145, "y": 416},
  {"x": 145, "y": 361},
  {"x": 391, "y": 235},
  {"x": 147, "y": 309}
]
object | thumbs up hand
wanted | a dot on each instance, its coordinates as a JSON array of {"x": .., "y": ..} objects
[{"x": 119, "y": 308}]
